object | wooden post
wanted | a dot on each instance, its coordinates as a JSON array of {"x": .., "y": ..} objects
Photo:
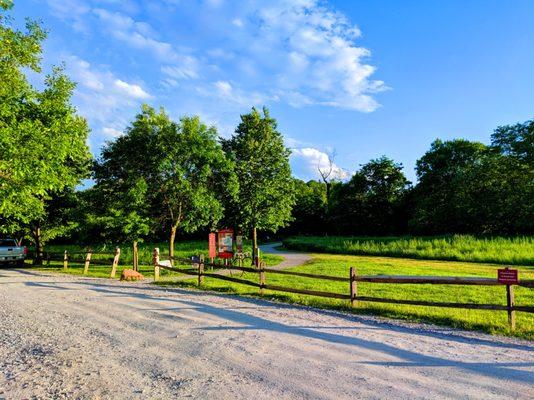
[
  {"x": 200, "y": 270},
  {"x": 135, "y": 256},
  {"x": 65, "y": 260},
  {"x": 155, "y": 261},
  {"x": 262, "y": 280},
  {"x": 353, "y": 287},
  {"x": 47, "y": 259},
  {"x": 87, "y": 261},
  {"x": 510, "y": 305},
  {"x": 115, "y": 262}
]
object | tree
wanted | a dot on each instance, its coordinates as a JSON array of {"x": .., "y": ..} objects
[
  {"x": 43, "y": 147},
  {"x": 445, "y": 188},
  {"x": 265, "y": 196},
  {"x": 186, "y": 172},
  {"x": 309, "y": 212},
  {"x": 371, "y": 201}
]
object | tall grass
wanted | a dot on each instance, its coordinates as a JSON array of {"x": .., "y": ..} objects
[{"x": 499, "y": 250}]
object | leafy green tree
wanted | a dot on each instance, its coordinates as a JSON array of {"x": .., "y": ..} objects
[
  {"x": 265, "y": 197},
  {"x": 371, "y": 201},
  {"x": 309, "y": 212},
  {"x": 43, "y": 147},
  {"x": 443, "y": 193},
  {"x": 186, "y": 172}
]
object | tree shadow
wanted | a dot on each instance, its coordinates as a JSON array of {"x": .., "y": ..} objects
[{"x": 246, "y": 321}]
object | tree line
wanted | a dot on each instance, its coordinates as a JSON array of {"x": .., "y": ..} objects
[
  {"x": 164, "y": 178},
  {"x": 462, "y": 187}
]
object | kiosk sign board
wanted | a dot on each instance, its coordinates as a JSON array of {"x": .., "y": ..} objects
[
  {"x": 212, "y": 245},
  {"x": 226, "y": 243},
  {"x": 508, "y": 276}
]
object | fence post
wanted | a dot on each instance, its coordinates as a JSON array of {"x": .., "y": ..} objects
[
  {"x": 115, "y": 262},
  {"x": 65, "y": 260},
  {"x": 87, "y": 261},
  {"x": 155, "y": 261},
  {"x": 262, "y": 280},
  {"x": 510, "y": 305},
  {"x": 200, "y": 269},
  {"x": 353, "y": 287},
  {"x": 135, "y": 256}
]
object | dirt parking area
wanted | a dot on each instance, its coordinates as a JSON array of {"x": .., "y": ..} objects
[{"x": 71, "y": 337}]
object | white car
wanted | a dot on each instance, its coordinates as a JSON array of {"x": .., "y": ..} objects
[{"x": 11, "y": 252}]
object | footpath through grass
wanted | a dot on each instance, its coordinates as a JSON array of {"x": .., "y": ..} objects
[
  {"x": 499, "y": 250},
  {"x": 482, "y": 320}
]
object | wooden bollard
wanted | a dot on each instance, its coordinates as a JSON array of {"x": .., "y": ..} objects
[
  {"x": 510, "y": 304},
  {"x": 262, "y": 280},
  {"x": 65, "y": 260},
  {"x": 200, "y": 269},
  {"x": 87, "y": 261},
  {"x": 353, "y": 287},
  {"x": 115, "y": 262},
  {"x": 135, "y": 256},
  {"x": 155, "y": 261}
]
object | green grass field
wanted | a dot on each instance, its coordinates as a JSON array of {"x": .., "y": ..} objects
[
  {"x": 499, "y": 250},
  {"x": 338, "y": 265},
  {"x": 482, "y": 320}
]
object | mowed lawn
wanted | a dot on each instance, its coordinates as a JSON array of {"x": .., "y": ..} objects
[{"x": 338, "y": 265}]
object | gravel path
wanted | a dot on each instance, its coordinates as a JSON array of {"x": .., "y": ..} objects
[
  {"x": 71, "y": 337},
  {"x": 291, "y": 258}
]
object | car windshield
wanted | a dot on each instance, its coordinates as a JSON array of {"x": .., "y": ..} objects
[{"x": 7, "y": 242}]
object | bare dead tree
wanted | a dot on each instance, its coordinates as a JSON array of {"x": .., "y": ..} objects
[{"x": 326, "y": 172}]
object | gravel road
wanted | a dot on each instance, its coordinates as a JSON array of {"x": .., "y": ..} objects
[{"x": 68, "y": 337}]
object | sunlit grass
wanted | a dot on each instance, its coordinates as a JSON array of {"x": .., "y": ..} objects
[
  {"x": 483, "y": 320},
  {"x": 501, "y": 250}
]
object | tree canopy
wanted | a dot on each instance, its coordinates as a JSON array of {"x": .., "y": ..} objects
[{"x": 43, "y": 149}]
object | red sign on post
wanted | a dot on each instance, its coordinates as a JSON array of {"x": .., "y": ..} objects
[
  {"x": 226, "y": 243},
  {"x": 212, "y": 246},
  {"x": 508, "y": 276}
]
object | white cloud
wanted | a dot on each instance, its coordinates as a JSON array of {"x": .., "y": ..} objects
[
  {"x": 107, "y": 101},
  {"x": 307, "y": 162},
  {"x": 132, "y": 90},
  {"x": 111, "y": 133}
]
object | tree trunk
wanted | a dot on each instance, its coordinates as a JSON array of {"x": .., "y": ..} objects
[
  {"x": 255, "y": 246},
  {"x": 135, "y": 256},
  {"x": 37, "y": 236},
  {"x": 171, "y": 244}
]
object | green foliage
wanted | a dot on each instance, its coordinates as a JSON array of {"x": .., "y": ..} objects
[
  {"x": 265, "y": 196},
  {"x": 499, "y": 250},
  {"x": 371, "y": 201},
  {"x": 43, "y": 149},
  {"x": 184, "y": 170},
  {"x": 309, "y": 212}
]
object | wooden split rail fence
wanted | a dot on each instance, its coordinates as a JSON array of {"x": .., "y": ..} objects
[
  {"x": 67, "y": 257},
  {"x": 352, "y": 281}
]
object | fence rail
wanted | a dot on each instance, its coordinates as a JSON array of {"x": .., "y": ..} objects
[
  {"x": 87, "y": 261},
  {"x": 352, "y": 279}
]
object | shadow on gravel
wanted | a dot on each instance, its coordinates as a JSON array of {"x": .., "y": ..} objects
[{"x": 410, "y": 358}]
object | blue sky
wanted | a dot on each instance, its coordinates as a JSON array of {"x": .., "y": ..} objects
[{"x": 356, "y": 78}]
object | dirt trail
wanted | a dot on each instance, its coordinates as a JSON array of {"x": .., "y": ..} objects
[
  {"x": 291, "y": 258},
  {"x": 74, "y": 337}
]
